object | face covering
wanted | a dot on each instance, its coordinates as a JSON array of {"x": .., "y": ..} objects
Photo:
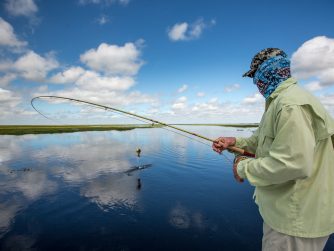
[{"x": 271, "y": 73}]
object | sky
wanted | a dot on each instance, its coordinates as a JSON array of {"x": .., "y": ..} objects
[{"x": 175, "y": 61}]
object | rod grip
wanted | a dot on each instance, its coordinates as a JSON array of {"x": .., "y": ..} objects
[
  {"x": 241, "y": 151},
  {"x": 248, "y": 154}
]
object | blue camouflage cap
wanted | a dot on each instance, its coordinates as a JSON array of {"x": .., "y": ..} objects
[{"x": 262, "y": 56}]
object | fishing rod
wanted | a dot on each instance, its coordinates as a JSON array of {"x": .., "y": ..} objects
[{"x": 231, "y": 148}]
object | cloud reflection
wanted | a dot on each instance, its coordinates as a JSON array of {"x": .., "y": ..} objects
[
  {"x": 11, "y": 146},
  {"x": 179, "y": 217},
  {"x": 8, "y": 208},
  {"x": 117, "y": 190},
  {"x": 183, "y": 218},
  {"x": 18, "y": 191},
  {"x": 88, "y": 158},
  {"x": 20, "y": 242},
  {"x": 97, "y": 165},
  {"x": 94, "y": 163}
]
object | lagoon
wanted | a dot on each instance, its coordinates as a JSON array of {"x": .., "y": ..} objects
[{"x": 82, "y": 191}]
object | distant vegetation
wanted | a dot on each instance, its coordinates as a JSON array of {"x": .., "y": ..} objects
[
  {"x": 225, "y": 125},
  {"x": 46, "y": 129}
]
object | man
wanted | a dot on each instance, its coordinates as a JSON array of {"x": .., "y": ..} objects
[{"x": 293, "y": 171}]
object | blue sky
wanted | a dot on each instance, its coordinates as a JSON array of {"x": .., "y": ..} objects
[{"x": 179, "y": 61}]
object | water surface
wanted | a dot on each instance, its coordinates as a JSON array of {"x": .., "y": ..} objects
[{"x": 80, "y": 191}]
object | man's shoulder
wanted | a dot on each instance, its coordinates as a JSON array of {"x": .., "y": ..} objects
[{"x": 296, "y": 95}]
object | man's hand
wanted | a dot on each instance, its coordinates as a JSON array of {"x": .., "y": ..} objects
[
  {"x": 235, "y": 168},
  {"x": 222, "y": 143}
]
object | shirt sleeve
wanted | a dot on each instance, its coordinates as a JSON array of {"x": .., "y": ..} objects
[
  {"x": 291, "y": 152},
  {"x": 248, "y": 144}
]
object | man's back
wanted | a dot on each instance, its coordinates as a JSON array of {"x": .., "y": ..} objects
[{"x": 294, "y": 143}]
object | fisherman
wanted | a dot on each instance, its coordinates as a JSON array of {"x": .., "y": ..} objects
[{"x": 293, "y": 171}]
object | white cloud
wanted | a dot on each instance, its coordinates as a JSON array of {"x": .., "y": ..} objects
[
  {"x": 200, "y": 94},
  {"x": 104, "y": 2},
  {"x": 185, "y": 31},
  {"x": 8, "y": 101},
  {"x": 112, "y": 98},
  {"x": 178, "y": 32},
  {"x": 315, "y": 59},
  {"x": 7, "y": 96},
  {"x": 183, "y": 88},
  {"x": 21, "y": 7},
  {"x": 328, "y": 101},
  {"x": 7, "y": 78},
  {"x": 95, "y": 87},
  {"x": 112, "y": 75},
  {"x": 215, "y": 111},
  {"x": 70, "y": 75},
  {"x": 313, "y": 86},
  {"x": 124, "y": 2},
  {"x": 91, "y": 80},
  {"x": 182, "y": 99},
  {"x": 110, "y": 85},
  {"x": 180, "y": 104},
  {"x": 43, "y": 88},
  {"x": 8, "y": 37},
  {"x": 34, "y": 67},
  {"x": 6, "y": 65},
  {"x": 29, "y": 66},
  {"x": 11, "y": 111},
  {"x": 212, "y": 105},
  {"x": 103, "y": 19},
  {"x": 231, "y": 88},
  {"x": 113, "y": 59},
  {"x": 254, "y": 99}
]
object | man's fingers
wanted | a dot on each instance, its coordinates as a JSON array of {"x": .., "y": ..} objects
[
  {"x": 217, "y": 140},
  {"x": 220, "y": 139},
  {"x": 216, "y": 149},
  {"x": 220, "y": 144},
  {"x": 223, "y": 145},
  {"x": 216, "y": 144}
]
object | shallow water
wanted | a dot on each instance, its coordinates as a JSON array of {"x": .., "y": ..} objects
[{"x": 75, "y": 192}]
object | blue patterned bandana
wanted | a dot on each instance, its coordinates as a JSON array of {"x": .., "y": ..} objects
[{"x": 271, "y": 73}]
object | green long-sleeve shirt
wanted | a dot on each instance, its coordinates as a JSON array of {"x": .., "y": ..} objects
[{"x": 293, "y": 171}]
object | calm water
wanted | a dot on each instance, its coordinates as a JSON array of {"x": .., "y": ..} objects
[{"x": 80, "y": 192}]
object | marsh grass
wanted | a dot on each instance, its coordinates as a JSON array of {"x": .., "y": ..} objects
[{"x": 48, "y": 129}]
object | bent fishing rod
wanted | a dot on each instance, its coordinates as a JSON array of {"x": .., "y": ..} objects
[{"x": 231, "y": 148}]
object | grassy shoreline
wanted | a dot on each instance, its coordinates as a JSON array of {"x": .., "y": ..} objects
[
  {"x": 48, "y": 129},
  {"x": 245, "y": 125}
]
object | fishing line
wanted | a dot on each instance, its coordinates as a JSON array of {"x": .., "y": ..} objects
[
  {"x": 176, "y": 132},
  {"x": 167, "y": 129},
  {"x": 184, "y": 135},
  {"x": 128, "y": 116},
  {"x": 142, "y": 119}
]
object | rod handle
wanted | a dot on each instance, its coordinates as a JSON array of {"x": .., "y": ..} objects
[{"x": 241, "y": 151}]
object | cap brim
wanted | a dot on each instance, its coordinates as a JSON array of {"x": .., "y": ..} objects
[{"x": 249, "y": 74}]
